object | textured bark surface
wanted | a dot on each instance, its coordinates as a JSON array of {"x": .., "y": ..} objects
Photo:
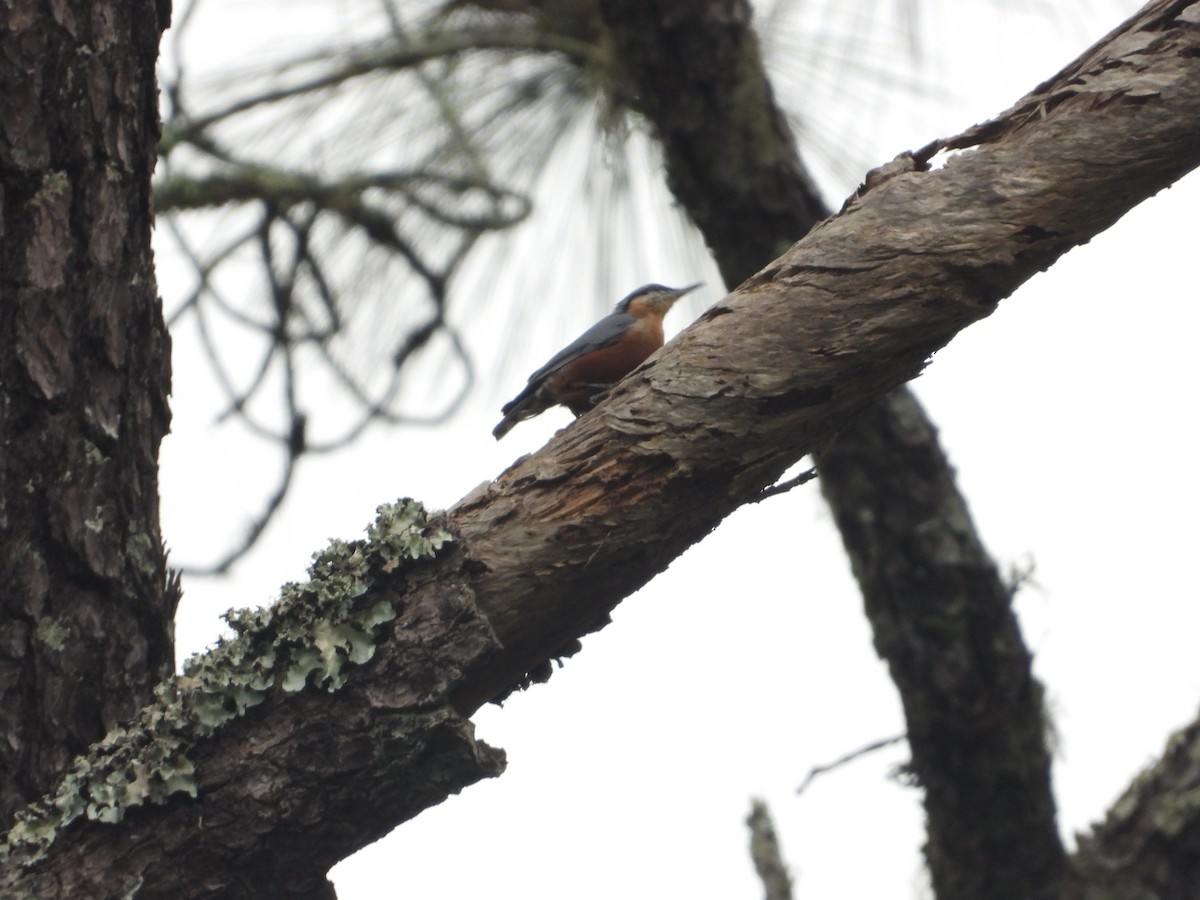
[
  {"x": 303, "y": 779},
  {"x": 1148, "y": 846},
  {"x": 850, "y": 312},
  {"x": 84, "y": 376},
  {"x": 942, "y": 619}
]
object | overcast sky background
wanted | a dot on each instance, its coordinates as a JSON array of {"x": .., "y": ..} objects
[{"x": 1069, "y": 414}]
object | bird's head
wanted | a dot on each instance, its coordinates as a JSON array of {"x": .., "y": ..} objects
[{"x": 652, "y": 300}]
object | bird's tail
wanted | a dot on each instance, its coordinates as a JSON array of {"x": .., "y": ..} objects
[
  {"x": 505, "y": 426},
  {"x": 525, "y": 405}
]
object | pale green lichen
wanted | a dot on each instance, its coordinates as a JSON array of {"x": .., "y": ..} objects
[
  {"x": 141, "y": 550},
  {"x": 308, "y": 638},
  {"x": 93, "y": 454},
  {"x": 52, "y": 633},
  {"x": 54, "y": 185},
  {"x": 96, "y": 523}
]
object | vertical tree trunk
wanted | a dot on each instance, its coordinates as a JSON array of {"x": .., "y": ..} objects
[
  {"x": 84, "y": 374},
  {"x": 942, "y": 618}
]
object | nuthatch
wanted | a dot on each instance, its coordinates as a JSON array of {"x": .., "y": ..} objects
[{"x": 582, "y": 373}]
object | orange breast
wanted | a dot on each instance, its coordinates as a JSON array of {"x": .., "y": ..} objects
[{"x": 582, "y": 381}]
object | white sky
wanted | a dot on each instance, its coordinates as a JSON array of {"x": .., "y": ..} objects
[{"x": 1069, "y": 416}]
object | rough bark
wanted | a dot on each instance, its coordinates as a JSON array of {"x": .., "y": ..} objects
[
  {"x": 321, "y": 727},
  {"x": 84, "y": 376},
  {"x": 853, "y": 310},
  {"x": 942, "y": 619},
  {"x": 1148, "y": 846},
  {"x": 890, "y": 487}
]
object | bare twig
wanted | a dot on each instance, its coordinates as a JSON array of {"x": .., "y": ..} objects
[
  {"x": 848, "y": 758},
  {"x": 784, "y": 486}
]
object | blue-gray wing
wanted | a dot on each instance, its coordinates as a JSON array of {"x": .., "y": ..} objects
[{"x": 604, "y": 333}]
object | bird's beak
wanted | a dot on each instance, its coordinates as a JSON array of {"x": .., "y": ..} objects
[{"x": 686, "y": 290}]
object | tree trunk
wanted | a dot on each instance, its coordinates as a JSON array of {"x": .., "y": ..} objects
[
  {"x": 84, "y": 377},
  {"x": 942, "y": 618}
]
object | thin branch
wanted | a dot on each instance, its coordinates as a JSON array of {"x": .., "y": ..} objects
[
  {"x": 377, "y": 60},
  {"x": 847, "y": 758},
  {"x": 784, "y": 486}
]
